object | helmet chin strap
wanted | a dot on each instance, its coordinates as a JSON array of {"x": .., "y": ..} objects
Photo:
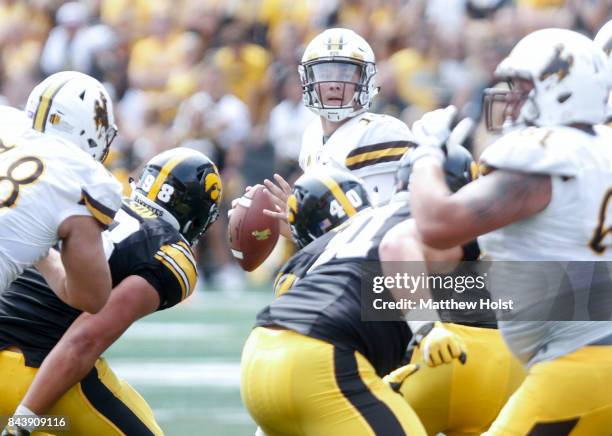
[{"x": 156, "y": 208}]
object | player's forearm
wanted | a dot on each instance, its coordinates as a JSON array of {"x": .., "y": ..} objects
[
  {"x": 431, "y": 204},
  {"x": 66, "y": 365}
]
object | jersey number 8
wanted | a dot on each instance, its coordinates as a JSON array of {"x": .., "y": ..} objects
[
  {"x": 23, "y": 171},
  {"x": 165, "y": 192}
]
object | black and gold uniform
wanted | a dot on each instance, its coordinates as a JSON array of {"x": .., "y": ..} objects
[
  {"x": 462, "y": 398},
  {"x": 312, "y": 366},
  {"x": 33, "y": 319}
]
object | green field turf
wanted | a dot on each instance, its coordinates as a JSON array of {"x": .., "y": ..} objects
[{"x": 185, "y": 362}]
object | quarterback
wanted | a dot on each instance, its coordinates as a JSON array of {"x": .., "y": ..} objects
[
  {"x": 51, "y": 361},
  {"x": 545, "y": 197},
  {"x": 337, "y": 72},
  {"x": 52, "y": 190}
]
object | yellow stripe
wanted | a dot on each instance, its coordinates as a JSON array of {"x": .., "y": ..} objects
[
  {"x": 163, "y": 176},
  {"x": 335, "y": 43},
  {"x": 98, "y": 214},
  {"x": 185, "y": 264},
  {"x": 45, "y": 103},
  {"x": 339, "y": 194},
  {"x": 286, "y": 281},
  {"x": 278, "y": 277},
  {"x": 175, "y": 273},
  {"x": 372, "y": 155},
  {"x": 185, "y": 246},
  {"x": 474, "y": 170}
]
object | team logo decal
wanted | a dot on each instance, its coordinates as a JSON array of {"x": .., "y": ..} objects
[
  {"x": 212, "y": 185},
  {"x": 560, "y": 65},
  {"x": 262, "y": 235},
  {"x": 101, "y": 116},
  {"x": 292, "y": 208}
]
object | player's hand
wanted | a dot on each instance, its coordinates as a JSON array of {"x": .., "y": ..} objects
[
  {"x": 439, "y": 345},
  {"x": 13, "y": 430},
  {"x": 279, "y": 192},
  {"x": 236, "y": 200},
  {"x": 396, "y": 378},
  {"x": 431, "y": 133}
]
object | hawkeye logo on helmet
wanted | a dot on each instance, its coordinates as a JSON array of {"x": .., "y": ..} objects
[{"x": 212, "y": 185}]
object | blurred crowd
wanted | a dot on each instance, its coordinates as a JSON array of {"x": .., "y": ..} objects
[{"x": 221, "y": 75}]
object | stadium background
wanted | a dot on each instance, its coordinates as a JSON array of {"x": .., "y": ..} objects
[{"x": 220, "y": 76}]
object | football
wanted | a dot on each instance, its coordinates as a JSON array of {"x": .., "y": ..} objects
[{"x": 252, "y": 235}]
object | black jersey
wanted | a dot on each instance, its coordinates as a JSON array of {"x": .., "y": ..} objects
[
  {"x": 33, "y": 319},
  {"x": 325, "y": 301}
]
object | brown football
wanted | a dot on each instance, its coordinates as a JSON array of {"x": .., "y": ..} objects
[{"x": 252, "y": 235}]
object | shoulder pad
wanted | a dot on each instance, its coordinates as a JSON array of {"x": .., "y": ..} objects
[
  {"x": 537, "y": 150},
  {"x": 101, "y": 194}
]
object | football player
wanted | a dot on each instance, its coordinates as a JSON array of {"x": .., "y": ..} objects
[
  {"x": 51, "y": 361},
  {"x": 313, "y": 334},
  {"x": 545, "y": 197},
  {"x": 337, "y": 72},
  {"x": 458, "y": 398},
  {"x": 52, "y": 190}
]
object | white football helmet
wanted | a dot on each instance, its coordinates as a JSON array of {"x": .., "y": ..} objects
[
  {"x": 338, "y": 55},
  {"x": 568, "y": 80},
  {"x": 603, "y": 39},
  {"x": 74, "y": 107}
]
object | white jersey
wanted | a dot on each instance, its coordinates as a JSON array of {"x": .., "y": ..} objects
[
  {"x": 368, "y": 145},
  {"x": 571, "y": 227},
  {"x": 43, "y": 181},
  {"x": 575, "y": 225}
]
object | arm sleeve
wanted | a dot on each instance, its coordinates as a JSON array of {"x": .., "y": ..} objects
[
  {"x": 173, "y": 273},
  {"x": 99, "y": 196}
]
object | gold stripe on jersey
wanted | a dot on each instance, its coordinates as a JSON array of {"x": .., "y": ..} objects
[
  {"x": 284, "y": 283},
  {"x": 46, "y": 98},
  {"x": 374, "y": 154},
  {"x": 339, "y": 195},
  {"x": 163, "y": 175},
  {"x": 181, "y": 265},
  {"x": 100, "y": 212},
  {"x": 474, "y": 170}
]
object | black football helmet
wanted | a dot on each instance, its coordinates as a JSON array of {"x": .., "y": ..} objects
[
  {"x": 459, "y": 169},
  {"x": 185, "y": 184},
  {"x": 322, "y": 201}
]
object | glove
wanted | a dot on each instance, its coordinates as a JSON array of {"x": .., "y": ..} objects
[
  {"x": 13, "y": 430},
  {"x": 396, "y": 378},
  {"x": 439, "y": 345},
  {"x": 431, "y": 133}
]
